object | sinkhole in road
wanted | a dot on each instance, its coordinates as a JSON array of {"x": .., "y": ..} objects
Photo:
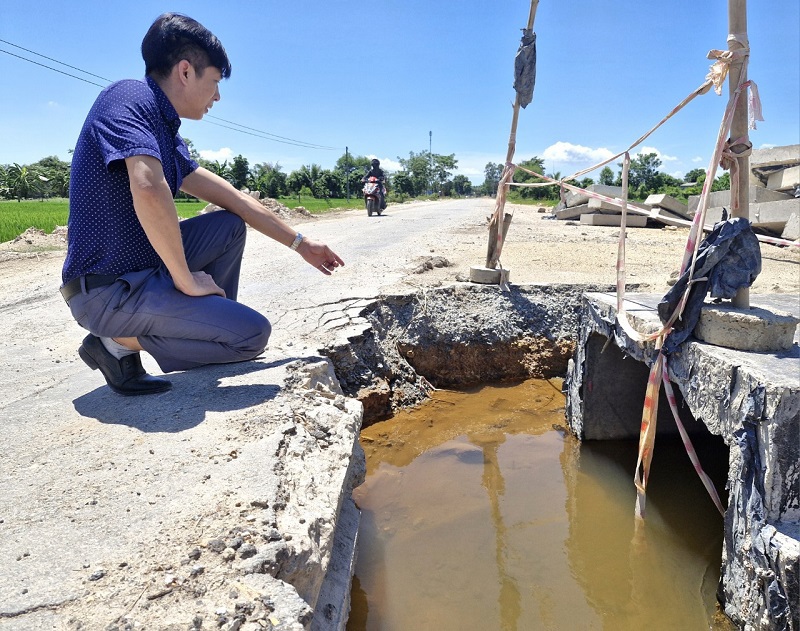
[
  {"x": 479, "y": 508},
  {"x": 480, "y": 511}
]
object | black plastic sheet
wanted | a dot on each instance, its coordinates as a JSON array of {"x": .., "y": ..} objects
[
  {"x": 525, "y": 68},
  {"x": 728, "y": 259}
]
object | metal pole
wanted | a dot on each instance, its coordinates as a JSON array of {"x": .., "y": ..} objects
[
  {"x": 737, "y": 39},
  {"x": 430, "y": 159},
  {"x": 347, "y": 171}
]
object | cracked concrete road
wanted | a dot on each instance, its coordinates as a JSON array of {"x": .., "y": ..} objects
[{"x": 108, "y": 505}]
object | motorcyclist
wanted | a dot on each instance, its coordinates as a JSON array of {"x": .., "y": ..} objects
[{"x": 377, "y": 172}]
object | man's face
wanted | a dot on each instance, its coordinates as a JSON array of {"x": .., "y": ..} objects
[{"x": 203, "y": 91}]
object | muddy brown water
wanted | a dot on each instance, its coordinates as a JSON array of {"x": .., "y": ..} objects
[{"x": 479, "y": 511}]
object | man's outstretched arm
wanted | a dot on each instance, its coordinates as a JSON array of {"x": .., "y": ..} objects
[{"x": 209, "y": 187}]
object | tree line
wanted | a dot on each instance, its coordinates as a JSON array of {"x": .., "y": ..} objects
[{"x": 421, "y": 174}]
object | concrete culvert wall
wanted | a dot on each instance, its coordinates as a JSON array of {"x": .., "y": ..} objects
[{"x": 455, "y": 337}]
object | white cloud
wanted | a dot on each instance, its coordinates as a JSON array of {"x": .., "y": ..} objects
[
  {"x": 472, "y": 172},
  {"x": 697, "y": 159},
  {"x": 565, "y": 152},
  {"x": 473, "y": 164},
  {"x": 226, "y": 153},
  {"x": 387, "y": 164},
  {"x": 661, "y": 156},
  {"x": 53, "y": 105}
]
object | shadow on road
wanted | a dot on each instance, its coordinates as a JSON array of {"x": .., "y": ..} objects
[{"x": 193, "y": 394}]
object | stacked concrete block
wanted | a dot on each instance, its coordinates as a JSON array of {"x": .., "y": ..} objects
[
  {"x": 766, "y": 162},
  {"x": 720, "y": 199},
  {"x": 791, "y": 230},
  {"x": 787, "y": 180},
  {"x": 577, "y": 199},
  {"x": 597, "y": 212},
  {"x": 602, "y": 219},
  {"x": 669, "y": 204},
  {"x": 572, "y": 213},
  {"x": 774, "y": 182}
]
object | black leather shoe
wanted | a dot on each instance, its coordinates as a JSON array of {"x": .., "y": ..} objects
[{"x": 124, "y": 376}]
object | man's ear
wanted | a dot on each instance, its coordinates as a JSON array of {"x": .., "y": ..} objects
[{"x": 184, "y": 68}]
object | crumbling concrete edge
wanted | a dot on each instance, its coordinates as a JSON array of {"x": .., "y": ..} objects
[
  {"x": 297, "y": 569},
  {"x": 406, "y": 344},
  {"x": 761, "y": 555},
  {"x": 319, "y": 564}
]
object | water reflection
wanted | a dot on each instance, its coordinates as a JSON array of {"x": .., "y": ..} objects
[{"x": 478, "y": 514}]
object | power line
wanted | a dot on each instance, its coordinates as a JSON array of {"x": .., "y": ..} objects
[
  {"x": 33, "y": 52},
  {"x": 265, "y": 135},
  {"x": 51, "y": 68},
  {"x": 242, "y": 129}
]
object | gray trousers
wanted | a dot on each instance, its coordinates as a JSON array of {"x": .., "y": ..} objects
[{"x": 181, "y": 331}]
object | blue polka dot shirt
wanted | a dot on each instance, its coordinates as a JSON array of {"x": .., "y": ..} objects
[{"x": 104, "y": 235}]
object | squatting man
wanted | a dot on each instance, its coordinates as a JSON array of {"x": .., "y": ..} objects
[{"x": 134, "y": 276}]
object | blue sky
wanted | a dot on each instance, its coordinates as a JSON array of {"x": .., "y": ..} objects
[{"x": 378, "y": 76}]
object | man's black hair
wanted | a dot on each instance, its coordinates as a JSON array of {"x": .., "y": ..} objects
[{"x": 173, "y": 37}]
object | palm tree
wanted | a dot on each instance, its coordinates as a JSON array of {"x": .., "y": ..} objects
[
  {"x": 20, "y": 181},
  {"x": 310, "y": 174}
]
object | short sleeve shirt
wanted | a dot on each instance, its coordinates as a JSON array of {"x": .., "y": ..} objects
[{"x": 104, "y": 235}]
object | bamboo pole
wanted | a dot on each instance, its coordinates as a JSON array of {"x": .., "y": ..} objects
[
  {"x": 500, "y": 221},
  {"x": 737, "y": 39}
]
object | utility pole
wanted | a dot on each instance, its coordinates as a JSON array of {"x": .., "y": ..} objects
[
  {"x": 347, "y": 171},
  {"x": 430, "y": 159}
]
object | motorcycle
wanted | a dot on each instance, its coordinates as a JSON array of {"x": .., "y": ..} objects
[{"x": 373, "y": 193}]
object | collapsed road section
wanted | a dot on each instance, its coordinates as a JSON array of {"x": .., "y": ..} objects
[{"x": 469, "y": 334}]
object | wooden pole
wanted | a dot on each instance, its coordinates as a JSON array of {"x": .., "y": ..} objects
[
  {"x": 737, "y": 39},
  {"x": 499, "y": 219}
]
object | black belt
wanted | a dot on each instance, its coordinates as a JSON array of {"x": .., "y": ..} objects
[{"x": 92, "y": 281}]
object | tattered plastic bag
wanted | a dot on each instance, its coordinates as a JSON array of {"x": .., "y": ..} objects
[
  {"x": 525, "y": 68},
  {"x": 728, "y": 259}
]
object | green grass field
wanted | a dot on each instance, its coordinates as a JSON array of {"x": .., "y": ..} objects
[
  {"x": 316, "y": 206},
  {"x": 17, "y": 217}
]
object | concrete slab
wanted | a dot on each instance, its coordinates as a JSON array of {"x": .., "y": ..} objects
[
  {"x": 791, "y": 230},
  {"x": 750, "y": 399},
  {"x": 578, "y": 199},
  {"x": 615, "y": 208},
  {"x": 786, "y": 155},
  {"x": 787, "y": 180},
  {"x": 718, "y": 199},
  {"x": 572, "y": 213},
  {"x": 671, "y": 204},
  {"x": 755, "y": 329},
  {"x": 599, "y": 205},
  {"x": 771, "y": 216},
  {"x": 765, "y": 162},
  {"x": 665, "y": 217},
  {"x": 597, "y": 219}
]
